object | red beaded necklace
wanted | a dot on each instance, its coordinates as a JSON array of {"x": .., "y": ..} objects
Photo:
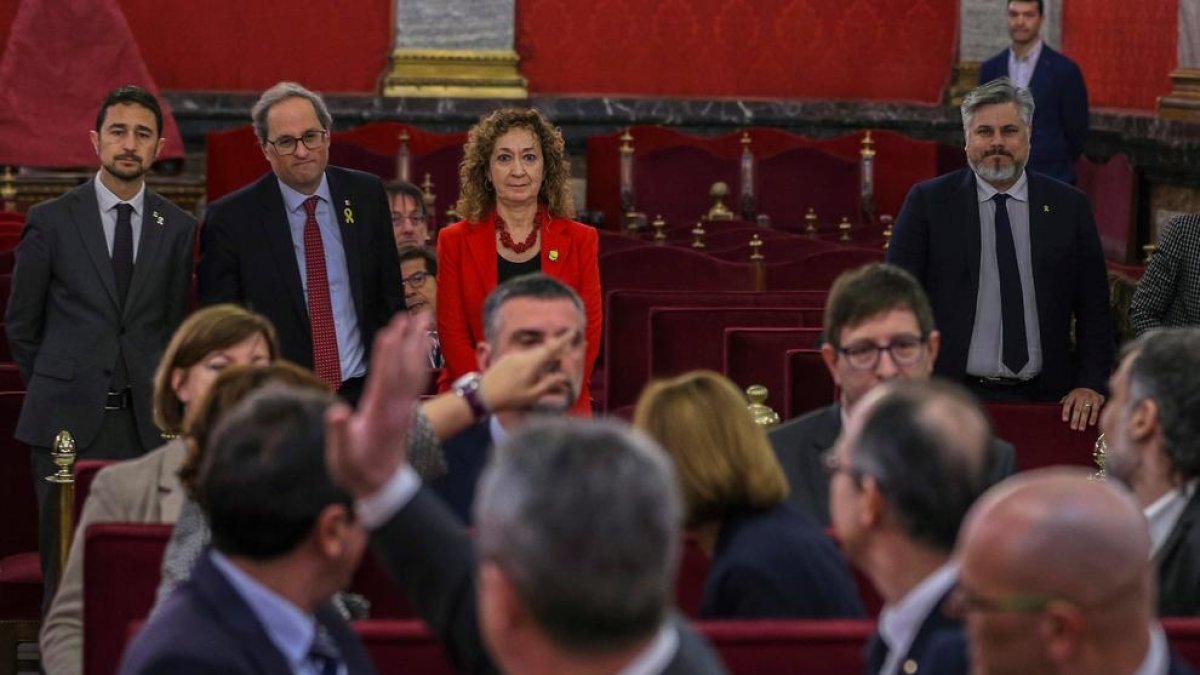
[{"x": 506, "y": 239}]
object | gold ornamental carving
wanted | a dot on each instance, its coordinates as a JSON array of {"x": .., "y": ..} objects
[
  {"x": 1183, "y": 103},
  {"x": 455, "y": 73}
]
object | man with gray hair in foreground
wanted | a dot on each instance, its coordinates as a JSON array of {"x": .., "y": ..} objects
[
  {"x": 1054, "y": 578},
  {"x": 578, "y": 536}
]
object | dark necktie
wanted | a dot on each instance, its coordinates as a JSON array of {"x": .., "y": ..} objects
[
  {"x": 435, "y": 351},
  {"x": 1012, "y": 300},
  {"x": 326, "y": 362},
  {"x": 122, "y": 254},
  {"x": 877, "y": 653},
  {"x": 324, "y": 653}
]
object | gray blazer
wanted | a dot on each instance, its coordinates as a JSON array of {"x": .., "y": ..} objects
[{"x": 65, "y": 322}]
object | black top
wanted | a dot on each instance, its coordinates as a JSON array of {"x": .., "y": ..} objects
[{"x": 506, "y": 269}]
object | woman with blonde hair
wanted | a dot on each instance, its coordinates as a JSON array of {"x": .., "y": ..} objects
[
  {"x": 147, "y": 489},
  {"x": 516, "y": 205},
  {"x": 769, "y": 559}
]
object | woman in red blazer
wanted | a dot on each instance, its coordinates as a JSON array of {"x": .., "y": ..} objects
[{"x": 516, "y": 205}]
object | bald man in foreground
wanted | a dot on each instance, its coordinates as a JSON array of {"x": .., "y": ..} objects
[{"x": 1054, "y": 578}]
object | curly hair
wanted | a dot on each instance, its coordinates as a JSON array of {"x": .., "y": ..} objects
[{"x": 476, "y": 198}]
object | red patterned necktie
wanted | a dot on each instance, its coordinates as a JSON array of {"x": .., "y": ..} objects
[{"x": 326, "y": 363}]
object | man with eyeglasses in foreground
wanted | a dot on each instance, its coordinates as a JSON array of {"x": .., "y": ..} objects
[
  {"x": 309, "y": 245},
  {"x": 875, "y": 309},
  {"x": 913, "y": 458},
  {"x": 1054, "y": 578}
]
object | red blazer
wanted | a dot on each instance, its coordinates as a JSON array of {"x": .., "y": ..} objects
[{"x": 467, "y": 272}]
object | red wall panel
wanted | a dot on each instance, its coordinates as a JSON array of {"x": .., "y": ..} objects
[
  {"x": 1126, "y": 52},
  {"x": 815, "y": 49}
]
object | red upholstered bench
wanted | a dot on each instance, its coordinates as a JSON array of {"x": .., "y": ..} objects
[
  {"x": 1184, "y": 636},
  {"x": 789, "y": 250},
  {"x": 759, "y": 356},
  {"x": 830, "y": 647},
  {"x": 808, "y": 384},
  {"x": 403, "y": 647},
  {"x": 20, "y": 571},
  {"x": 819, "y": 270},
  {"x": 793, "y": 181},
  {"x": 1039, "y": 435},
  {"x": 627, "y": 329},
  {"x": 671, "y": 268},
  {"x": 687, "y": 338}
]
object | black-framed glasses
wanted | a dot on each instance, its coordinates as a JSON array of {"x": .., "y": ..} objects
[
  {"x": 416, "y": 279},
  {"x": 905, "y": 350},
  {"x": 313, "y": 139},
  {"x": 417, "y": 221},
  {"x": 963, "y": 602}
]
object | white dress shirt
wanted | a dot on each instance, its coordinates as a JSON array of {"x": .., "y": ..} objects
[
  {"x": 1158, "y": 658},
  {"x": 900, "y": 623},
  {"x": 1020, "y": 70},
  {"x": 1165, "y": 512}
]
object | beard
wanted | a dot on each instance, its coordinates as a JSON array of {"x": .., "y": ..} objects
[
  {"x": 115, "y": 170},
  {"x": 997, "y": 174},
  {"x": 552, "y": 404}
]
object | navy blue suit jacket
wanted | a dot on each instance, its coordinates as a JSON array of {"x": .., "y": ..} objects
[
  {"x": 247, "y": 257},
  {"x": 466, "y": 454},
  {"x": 937, "y": 239},
  {"x": 206, "y": 627},
  {"x": 1060, "y": 120},
  {"x": 940, "y": 647},
  {"x": 777, "y": 563}
]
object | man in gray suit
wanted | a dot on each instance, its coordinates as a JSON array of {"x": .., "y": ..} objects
[
  {"x": 100, "y": 284},
  {"x": 875, "y": 309}
]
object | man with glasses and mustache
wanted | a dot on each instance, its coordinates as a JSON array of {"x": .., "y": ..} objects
[
  {"x": 308, "y": 245},
  {"x": 878, "y": 327},
  {"x": 418, "y": 273},
  {"x": 410, "y": 223},
  {"x": 1012, "y": 265}
]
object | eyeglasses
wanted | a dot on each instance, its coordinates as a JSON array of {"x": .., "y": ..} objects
[
  {"x": 962, "y": 602},
  {"x": 905, "y": 350},
  {"x": 417, "y": 221},
  {"x": 286, "y": 145},
  {"x": 416, "y": 279}
]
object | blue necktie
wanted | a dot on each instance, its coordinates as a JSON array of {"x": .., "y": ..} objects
[
  {"x": 1012, "y": 300},
  {"x": 324, "y": 653},
  {"x": 122, "y": 254}
]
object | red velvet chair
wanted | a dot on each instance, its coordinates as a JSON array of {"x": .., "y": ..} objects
[
  {"x": 403, "y": 647},
  {"x": 373, "y": 583},
  {"x": 774, "y": 251},
  {"x": 674, "y": 182},
  {"x": 719, "y": 236},
  {"x": 85, "y": 473},
  {"x": 1111, "y": 187},
  {"x": 819, "y": 270},
  {"x": 20, "y": 570},
  {"x": 670, "y": 268},
  {"x": 807, "y": 385},
  {"x": 627, "y": 329},
  {"x": 694, "y": 564},
  {"x": 611, "y": 242},
  {"x": 1039, "y": 435},
  {"x": 1184, "y": 636},
  {"x": 10, "y": 378},
  {"x": 120, "y": 575},
  {"x": 759, "y": 356},
  {"x": 827, "y": 647},
  {"x": 687, "y": 338},
  {"x": 796, "y": 180}
]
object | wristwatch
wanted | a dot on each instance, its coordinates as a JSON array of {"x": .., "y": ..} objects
[{"x": 467, "y": 387}]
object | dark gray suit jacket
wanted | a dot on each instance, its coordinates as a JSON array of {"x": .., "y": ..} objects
[
  {"x": 800, "y": 443},
  {"x": 429, "y": 554},
  {"x": 65, "y": 322},
  {"x": 1178, "y": 563}
]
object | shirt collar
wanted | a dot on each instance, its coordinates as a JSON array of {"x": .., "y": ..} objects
[
  {"x": 1019, "y": 190},
  {"x": 1165, "y": 512},
  {"x": 108, "y": 201},
  {"x": 294, "y": 200},
  {"x": 290, "y": 629},
  {"x": 657, "y": 655},
  {"x": 899, "y": 623},
  {"x": 1158, "y": 657},
  {"x": 1031, "y": 55},
  {"x": 499, "y": 433}
]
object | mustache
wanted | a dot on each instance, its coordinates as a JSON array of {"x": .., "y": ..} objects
[
  {"x": 134, "y": 158},
  {"x": 998, "y": 152}
]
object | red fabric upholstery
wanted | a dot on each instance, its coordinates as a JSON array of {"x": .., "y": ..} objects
[
  {"x": 120, "y": 575},
  {"x": 794, "y": 181},
  {"x": 687, "y": 338},
  {"x": 719, "y": 236},
  {"x": 350, "y": 155},
  {"x": 670, "y": 268},
  {"x": 1111, "y": 188},
  {"x": 627, "y": 328},
  {"x": 1040, "y": 436},
  {"x": 85, "y": 473},
  {"x": 21, "y": 587},
  {"x": 403, "y": 647},
  {"x": 807, "y": 385},
  {"x": 812, "y": 647},
  {"x": 18, "y": 506},
  {"x": 759, "y": 356},
  {"x": 232, "y": 159},
  {"x": 611, "y": 242},
  {"x": 1184, "y": 636},
  {"x": 5, "y": 290},
  {"x": 373, "y": 583},
  {"x": 819, "y": 270},
  {"x": 674, "y": 182},
  {"x": 694, "y": 564},
  {"x": 10, "y": 376}
]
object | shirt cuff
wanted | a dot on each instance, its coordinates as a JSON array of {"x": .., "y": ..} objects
[{"x": 379, "y": 508}]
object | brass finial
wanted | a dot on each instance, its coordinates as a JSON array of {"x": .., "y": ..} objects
[
  {"x": 844, "y": 228},
  {"x": 756, "y": 244},
  {"x": 626, "y": 142},
  {"x": 868, "y": 145},
  {"x": 63, "y": 454},
  {"x": 1149, "y": 250},
  {"x": 886, "y": 221},
  {"x": 698, "y": 234},
  {"x": 810, "y": 222},
  {"x": 403, "y": 136},
  {"x": 660, "y": 230},
  {"x": 452, "y": 215},
  {"x": 631, "y": 224},
  {"x": 719, "y": 192},
  {"x": 759, "y": 410},
  {"x": 746, "y": 139},
  {"x": 8, "y": 190},
  {"x": 403, "y": 157},
  {"x": 427, "y": 185}
]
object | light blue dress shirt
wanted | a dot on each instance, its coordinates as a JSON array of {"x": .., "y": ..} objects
[
  {"x": 345, "y": 317},
  {"x": 108, "y": 214}
]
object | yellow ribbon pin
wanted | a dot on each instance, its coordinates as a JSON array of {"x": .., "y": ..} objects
[
  {"x": 553, "y": 255},
  {"x": 348, "y": 215}
]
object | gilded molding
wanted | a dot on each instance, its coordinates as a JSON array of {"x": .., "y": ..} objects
[
  {"x": 458, "y": 73},
  {"x": 1183, "y": 103}
]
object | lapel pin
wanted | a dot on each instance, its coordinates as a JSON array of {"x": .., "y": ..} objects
[
  {"x": 553, "y": 256},
  {"x": 348, "y": 213},
  {"x": 158, "y": 218},
  {"x": 1045, "y": 208}
]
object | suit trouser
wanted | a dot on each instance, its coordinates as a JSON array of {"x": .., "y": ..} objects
[{"x": 118, "y": 439}]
